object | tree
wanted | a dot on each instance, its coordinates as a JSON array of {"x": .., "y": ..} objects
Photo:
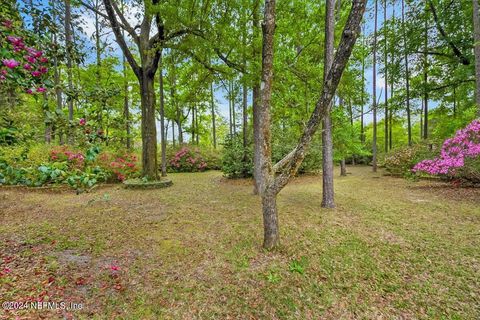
[
  {"x": 288, "y": 166},
  {"x": 327, "y": 139},
  {"x": 374, "y": 91},
  {"x": 407, "y": 76},
  {"x": 150, "y": 51},
  {"x": 476, "y": 26}
]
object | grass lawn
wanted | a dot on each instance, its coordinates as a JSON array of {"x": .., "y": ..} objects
[{"x": 392, "y": 249}]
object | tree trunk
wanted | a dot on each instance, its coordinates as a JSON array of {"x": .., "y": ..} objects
[
  {"x": 425, "y": 78},
  {"x": 269, "y": 206},
  {"x": 56, "y": 78},
  {"x": 407, "y": 76},
  {"x": 126, "y": 109},
  {"x": 245, "y": 119},
  {"x": 69, "y": 54},
  {"x": 257, "y": 174},
  {"x": 476, "y": 28},
  {"x": 270, "y": 220},
  {"x": 385, "y": 57},
  {"x": 148, "y": 127},
  {"x": 374, "y": 92},
  {"x": 343, "y": 168},
  {"x": 327, "y": 139},
  {"x": 162, "y": 120},
  {"x": 362, "y": 133},
  {"x": 277, "y": 177},
  {"x": 214, "y": 129}
]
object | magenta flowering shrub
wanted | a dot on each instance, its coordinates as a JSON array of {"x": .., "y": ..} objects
[
  {"x": 187, "y": 160},
  {"x": 20, "y": 64},
  {"x": 456, "y": 153}
]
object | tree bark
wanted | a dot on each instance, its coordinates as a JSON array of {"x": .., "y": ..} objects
[
  {"x": 327, "y": 139},
  {"x": 69, "y": 54},
  {"x": 476, "y": 28},
  {"x": 343, "y": 168},
  {"x": 425, "y": 79},
  {"x": 162, "y": 120},
  {"x": 385, "y": 57},
  {"x": 214, "y": 129},
  {"x": 126, "y": 108},
  {"x": 148, "y": 127},
  {"x": 374, "y": 92},
  {"x": 269, "y": 207},
  {"x": 288, "y": 166},
  {"x": 407, "y": 76}
]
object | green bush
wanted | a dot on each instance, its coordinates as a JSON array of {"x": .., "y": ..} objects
[
  {"x": 43, "y": 165},
  {"x": 237, "y": 161},
  {"x": 188, "y": 158},
  {"x": 400, "y": 162}
]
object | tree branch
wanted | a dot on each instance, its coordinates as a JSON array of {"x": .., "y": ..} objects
[
  {"x": 120, "y": 39},
  {"x": 293, "y": 160},
  {"x": 463, "y": 59},
  {"x": 103, "y": 15}
]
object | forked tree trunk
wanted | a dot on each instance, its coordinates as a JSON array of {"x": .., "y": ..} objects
[
  {"x": 275, "y": 178},
  {"x": 327, "y": 139}
]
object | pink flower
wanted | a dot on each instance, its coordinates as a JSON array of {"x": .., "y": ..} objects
[
  {"x": 41, "y": 89},
  {"x": 11, "y": 63},
  {"x": 43, "y": 60},
  {"x": 2, "y": 78},
  {"x": 29, "y": 91},
  {"x": 36, "y": 73},
  {"x": 114, "y": 267},
  {"x": 82, "y": 122},
  {"x": 43, "y": 70},
  {"x": 27, "y": 66},
  {"x": 30, "y": 59},
  {"x": 8, "y": 24}
]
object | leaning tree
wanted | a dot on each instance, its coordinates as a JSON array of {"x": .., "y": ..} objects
[{"x": 275, "y": 177}]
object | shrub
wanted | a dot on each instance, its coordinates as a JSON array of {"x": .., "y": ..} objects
[
  {"x": 401, "y": 161},
  {"x": 20, "y": 165},
  {"x": 458, "y": 157},
  {"x": 121, "y": 165},
  {"x": 187, "y": 159},
  {"x": 237, "y": 161}
]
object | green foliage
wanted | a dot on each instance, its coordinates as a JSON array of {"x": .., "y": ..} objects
[
  {"x": 298, "y": 266},
  {"x": 400, "y": 162},
  {"x": 192, "y": 158},
  {"x": 237, "y": 161},
  {"x": 40, "y": 165}
]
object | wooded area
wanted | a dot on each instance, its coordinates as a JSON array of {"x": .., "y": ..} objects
[{"x": 95, "y": 94}]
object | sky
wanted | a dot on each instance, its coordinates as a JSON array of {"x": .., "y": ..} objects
[{"x": 88, "y": 25}]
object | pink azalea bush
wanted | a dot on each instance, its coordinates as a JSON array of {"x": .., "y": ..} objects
[
  {"x": 123, "y": 166},
  {"x": 457, "y": 156},
  {"x": 187, "y": 160},
  {"x": 21, "y": 65}
]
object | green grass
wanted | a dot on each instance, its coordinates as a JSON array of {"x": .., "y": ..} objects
[{"x": 391, "y": 249}]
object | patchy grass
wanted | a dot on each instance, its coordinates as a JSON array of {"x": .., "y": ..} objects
[{"x": 392, "y": 249}]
